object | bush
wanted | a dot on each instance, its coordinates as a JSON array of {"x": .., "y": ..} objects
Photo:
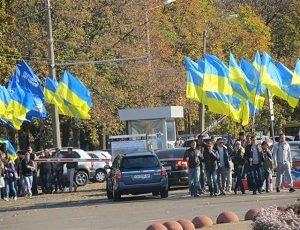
[
  {"x": 274, "y": 219},
  {"x": 296, "y": 207}
]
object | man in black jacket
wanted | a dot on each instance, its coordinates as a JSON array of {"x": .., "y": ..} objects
[
  {"x": 254, "y": 160},
  {"x": 211, "y": 159},
  {"x": 202, "y": 147},
  {"x": 193, "y": 157},
  {"x": 223, "y": 166}
]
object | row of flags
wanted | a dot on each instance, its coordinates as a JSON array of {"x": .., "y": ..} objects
[
  {"x": 25, "y": 97},
  {"x": 237, "y": 90}
]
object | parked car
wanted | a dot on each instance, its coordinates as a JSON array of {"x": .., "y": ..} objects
[
  {"x": 136, "y": 173},
  {"x": 103, "y": 159},
  {"x": 172, "y": 160},
  {"x": 85, "y": 170}
]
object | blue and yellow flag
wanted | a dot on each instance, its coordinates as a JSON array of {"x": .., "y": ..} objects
[
  {"x": 216, "y": 76},
  {"x": 257, "y": 61},
  {"x": 9, "y": 148},
  {"x": 27, "y": 79},
  {"x": 194, "y": 82},
  {"x": 271, "y": 78},
  {"x": 292, "y": 91},
  {"x": 20, "y": 103},
  {"x": 296, "y": 75},
  {"x": 4, "y": 99},
  {"x": 64, "y": 108},
  {"x": 224, "y": 104},
  {"x": 74, "y": 92}
]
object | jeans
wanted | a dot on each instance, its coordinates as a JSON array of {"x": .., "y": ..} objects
[
  {"x": 59, "y": 179},
  {"x": 71, "y": 173},
  {"x": 34, "y": 185},
  {"x": 10, "y": 185},
  {"x": 20, "y": 186},
  {"x": 28, "y": 183},
  {"x": 229, "y": 176},
  {"x": 194, "y": 175},
  {"x": 212, "y": 181},
  {"x": 47, "y": 181},
  {"x": 202, "y": 180},
  {"x": 222, "y": 176},
  {"x": 266, "y": 177},
  {"x": 286, "y": 169},
  {"x": 256, "y": 172}
]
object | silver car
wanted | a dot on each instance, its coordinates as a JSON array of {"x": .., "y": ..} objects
[{"x": 103, "y": 159}]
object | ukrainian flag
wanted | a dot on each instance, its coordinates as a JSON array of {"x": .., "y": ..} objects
[
  {"x": 21, "y": 102},
  {"x": 257, "y": 61},
  {"x": 257, "y": 65},
  {"x": 74, "y": 92},
  {"x": 244, "y": 88},
  {"x": 271, "y": 77},
  {"x": 292, "y": 91},
  {"x": 224, "y": 104},
  {"x": 194, "y": 82},
  {"x": 296, "y": 75},
  {"x": 216, "y": 76},
  {"x": 9, "y": 148},
  {"x": 64, "y": 107},
  {"x": 4, "y": 99}
]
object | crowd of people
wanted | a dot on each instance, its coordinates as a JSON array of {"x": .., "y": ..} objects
[
  {"x": 214, "y": 162},
  {"x": 21, "y": 177}
]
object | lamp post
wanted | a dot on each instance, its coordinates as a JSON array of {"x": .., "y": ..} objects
[
  {"x": 166, "y": 2},
  {"x": 201, "y": 108}
]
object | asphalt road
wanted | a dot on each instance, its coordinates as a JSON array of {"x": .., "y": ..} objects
[{"x": 88, "y": 208}]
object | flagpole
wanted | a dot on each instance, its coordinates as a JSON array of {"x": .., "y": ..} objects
[
  {"x": 271, "y": 114},
  {"x": 52, "y": 73},
  {"x": 201, "y": 108}
]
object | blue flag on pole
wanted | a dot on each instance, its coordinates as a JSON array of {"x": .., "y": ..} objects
[{"x": 27, "y": 79}]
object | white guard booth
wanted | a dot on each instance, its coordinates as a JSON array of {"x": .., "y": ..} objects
[{"x": 157, "y": 123}]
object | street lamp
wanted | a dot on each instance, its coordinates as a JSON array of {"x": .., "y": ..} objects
[
  {"x": 201, "y": 107},
  {"x": 166, "y": 2}
]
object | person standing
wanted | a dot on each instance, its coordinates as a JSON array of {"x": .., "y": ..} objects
[
  {"x": 239, "y": 162},
  {"x": 27, "y": 169},
  {"x": 9, "y": 178},
  {"x": 71, "y": 170},
  {"x": 228, "y": 145},
  {"x": 282, "y": 160},
  {"x": 193, "y": 158},
  {"x": 19, "y": 182},
  {"x": 202, "y": 147},
  {"x": 34, "y": 173},
  {"x": 1, "y": 174},
  {"x": 46, "y": 171},
  {"x": 267, "y": 165},
  {"x": 223, "y": 166},
  {"x": 255, "y": 159},
  {"x": 58, "y": 171},
  {"x": 211, "y": 159}
]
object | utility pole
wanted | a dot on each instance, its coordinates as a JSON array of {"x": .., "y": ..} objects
[{"x": 52, "y": 73}]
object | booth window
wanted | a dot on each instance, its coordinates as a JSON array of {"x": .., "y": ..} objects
[{"x": 170, "y": 130}]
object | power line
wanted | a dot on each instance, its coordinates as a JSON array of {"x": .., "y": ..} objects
[
  {"x": 22, "y": 56},
  {"x": 145, "y": 58}
]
